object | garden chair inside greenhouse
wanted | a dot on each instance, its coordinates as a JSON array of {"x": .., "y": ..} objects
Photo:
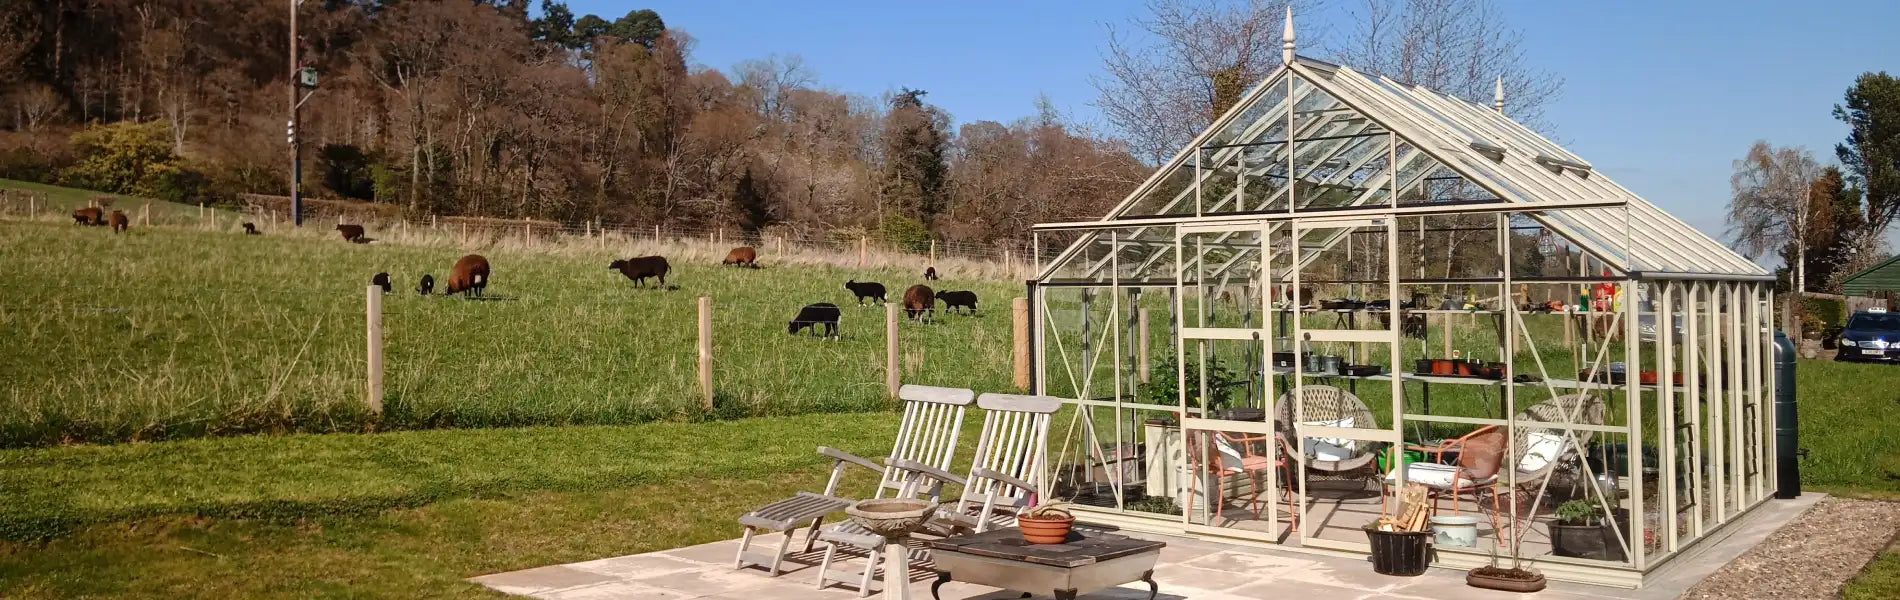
[
  {"x": 1327, "y": 406},
  {"x": 1241, "y": 455},
  {"x": 1537, "y": 452},
  {"x": 927, "y": 435}
]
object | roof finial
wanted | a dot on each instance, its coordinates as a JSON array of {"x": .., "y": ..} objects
[
  {"x": 1286, "y": 47},
  {"x": 1499, "y": 103}
]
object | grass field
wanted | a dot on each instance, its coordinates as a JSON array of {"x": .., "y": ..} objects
[{"x": 169, "y": 333}]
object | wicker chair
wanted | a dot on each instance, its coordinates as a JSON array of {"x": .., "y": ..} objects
[
  {"x": 1334, "y": 407},
  {"x": 1536, "y": 453}
]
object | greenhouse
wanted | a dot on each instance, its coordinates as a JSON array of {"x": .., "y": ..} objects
[{"x": 1349, "y": 288}]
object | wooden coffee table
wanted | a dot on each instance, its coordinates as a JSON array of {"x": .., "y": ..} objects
[{"x": 1086, "y": 563}]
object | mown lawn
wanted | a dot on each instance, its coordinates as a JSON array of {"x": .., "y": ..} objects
[{"x": 398, "y": 515}]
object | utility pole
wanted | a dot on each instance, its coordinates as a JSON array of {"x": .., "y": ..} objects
[{"x": 296, "y": 152}]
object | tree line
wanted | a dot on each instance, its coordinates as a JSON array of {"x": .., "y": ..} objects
[
  {"x": 1825, "y": 222},
  {"x": 481, "y": 107}
]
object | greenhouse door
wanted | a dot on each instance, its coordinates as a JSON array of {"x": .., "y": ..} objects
[
  {"x": 1227, "y": 483},
  {"x": 1336, "y": 433}
]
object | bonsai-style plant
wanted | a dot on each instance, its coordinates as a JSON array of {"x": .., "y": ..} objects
[
  {"x": 1514, "y": 579},
  {"x": 1046, "y": 522}
]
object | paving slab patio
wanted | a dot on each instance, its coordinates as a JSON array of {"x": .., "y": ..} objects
[{"x": 1188, "y": 568}]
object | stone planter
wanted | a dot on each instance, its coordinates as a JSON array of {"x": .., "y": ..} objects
[{"x": 1492, "y": 578}]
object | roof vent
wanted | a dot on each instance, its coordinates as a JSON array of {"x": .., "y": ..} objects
[
  {"x": 1558, "y": 166},
  {"x": 1495, "y": 153}
]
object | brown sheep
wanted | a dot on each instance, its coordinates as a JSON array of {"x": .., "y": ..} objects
[
  {"x": 119, "y": 222},
  {"x": 251, "y": 229},
  {"x": 351, "y": 233},
  {"x": 920, "y": 302},
  {"x": 89, "y": 216},
  {"x": 469, "y": 275},
  {"x": 930, "y": 274},
  {"x": 743, "y": 256},
  {"x": 640, "y": 268}
]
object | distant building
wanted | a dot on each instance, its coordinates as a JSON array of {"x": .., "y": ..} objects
[{"x": 1875, "y": 280}]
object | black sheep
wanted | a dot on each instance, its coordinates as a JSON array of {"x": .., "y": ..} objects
[
  {"x": 866, "y": 289},
  {"x": 920, "y": 303},
  {"x": 952, "y": 300},
  {"x": 814, "y": 315},
  {"x": 381, "y": 280},
  {"x": 427, "y": 285},
  {"x": 930, "y": 274},
  {"x": 351, "y": 233},
  {"x": 640, "y": 268},
  {"x": 251, "y": 229}
]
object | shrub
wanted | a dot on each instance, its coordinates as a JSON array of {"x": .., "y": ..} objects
[
  {"x": 174, "y": 182},
  {"x": 1162, "y": 388},
  {"x": 117, "y": 157},
  {"x": 906, "y": 234}
]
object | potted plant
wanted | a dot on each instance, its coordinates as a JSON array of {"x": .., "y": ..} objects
[
  {"x": 1221, "y": 381},
  {"x": 1514, "y": 579},
  {"x": 1046, "y": 523},
  {"x": 1582, "y": 532}
]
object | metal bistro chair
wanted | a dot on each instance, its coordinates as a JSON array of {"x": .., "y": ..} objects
[
  {"x": 928, "y": 435},
  {"x": 1006, "y": 475}
]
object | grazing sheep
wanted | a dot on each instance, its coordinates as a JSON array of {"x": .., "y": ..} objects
[
  {"x": 743, "y": 256},
  {"x": 866, "y": 289},
  {"x": 381, "y": 280},
  {"x": 251, "y": 229},
  {"x": 469, "y": 275},
  {"x": 952, "y": 300},
  {"x": 89, "y": 216},
  {"x": 920, "y": 303},
  {"x": 351, "y": 233},
  {"x": 427, "y": 285},
  {"x": 814, "y": 315},
  {"x": 119, "y": 222},
  {"x": 640, "y": 268},
  {"x": 930, "y": 274}
]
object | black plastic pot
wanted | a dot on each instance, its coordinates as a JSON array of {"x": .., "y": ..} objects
[
  {"x": 1595, "y": 542},
  {"x": 1400, "y": 553}
]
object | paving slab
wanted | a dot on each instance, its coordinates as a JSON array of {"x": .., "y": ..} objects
[{"x": 1188, "y": 568}]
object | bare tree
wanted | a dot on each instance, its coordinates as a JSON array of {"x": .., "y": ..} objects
[
  {"x": 1457, "y": 47},
  {"x": 1768, "y": 208},
  {"x": 1159, "y": 94}
]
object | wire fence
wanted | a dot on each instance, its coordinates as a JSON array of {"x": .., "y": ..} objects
[{"x": 382, "y": 223}]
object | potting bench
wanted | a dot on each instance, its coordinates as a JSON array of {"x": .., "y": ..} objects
[{"x": 1088, "y": 562}]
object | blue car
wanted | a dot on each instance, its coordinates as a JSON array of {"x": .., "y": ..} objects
[{"x": 1870, "y": 335}]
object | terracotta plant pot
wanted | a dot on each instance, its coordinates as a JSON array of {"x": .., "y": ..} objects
[
  {"x": 1503, "y": 579},
  {"x": 1045, "y": 530}
]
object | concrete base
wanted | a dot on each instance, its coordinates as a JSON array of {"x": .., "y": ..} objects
[{"x": 1187, "y": 568}]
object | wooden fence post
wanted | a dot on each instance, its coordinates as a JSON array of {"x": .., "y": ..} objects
[
  {"x": 656, "y": 233},
  {"x": 1009, "y": 264},
  {"x": 780, "y": 241},
  {"x": 1141, "y": 343},
  {"x": 373, "y": 318},
  {"x": 145, "y": 213},
  {"x": 705, "y": 352},
  {"x": 1019, "y": 307},
  {"x": 432, "y": 224},
  {"x": 861, "y": 251},
  {"x": 933, "y": 252},
  {"x": 892, "y": 369}
]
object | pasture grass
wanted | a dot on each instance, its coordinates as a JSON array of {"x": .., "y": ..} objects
[{"x": 167, "y": 333}]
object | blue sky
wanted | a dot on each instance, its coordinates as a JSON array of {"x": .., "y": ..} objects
[{"x": 1661, "y": 96}]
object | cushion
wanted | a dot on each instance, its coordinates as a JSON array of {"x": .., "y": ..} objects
[
  {"x": 1433, "y": 475},
  {"x": 1230, "y": 457},
  {"x": 1541, "y": 447},
  {"x": 1329, "y": 449}
]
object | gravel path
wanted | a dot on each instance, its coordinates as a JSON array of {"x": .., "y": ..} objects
[{"x": 1811, "y": 557}]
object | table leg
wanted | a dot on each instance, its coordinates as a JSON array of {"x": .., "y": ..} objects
[
  {"x": 1153, "y": 588},
  {"x": 942, "y": 578}
]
